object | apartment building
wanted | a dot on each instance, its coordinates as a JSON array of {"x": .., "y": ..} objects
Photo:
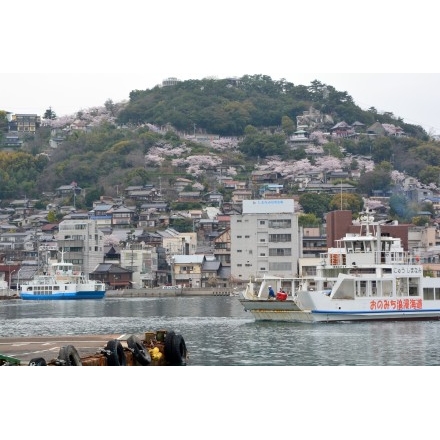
[
  {"x": 81, "y": 243},
  {"x": 265, "y": 239},
  {"x": 142, "y": 260}
]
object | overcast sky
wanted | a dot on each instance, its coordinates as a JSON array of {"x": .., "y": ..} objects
[{"x": 75, "y": 56}]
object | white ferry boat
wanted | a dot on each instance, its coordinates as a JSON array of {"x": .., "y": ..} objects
[
  {"x": 368, "y": 276},
  {"x": 63, "y": 281}
]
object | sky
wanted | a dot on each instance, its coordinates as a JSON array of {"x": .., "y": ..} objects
[{"x": 76, "y": 57}]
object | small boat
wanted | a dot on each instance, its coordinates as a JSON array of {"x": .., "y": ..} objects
[
  {"x": 63, "y": 281},
  {"x": 368, "y": 276},
  {"x": 159, "y": 348}
]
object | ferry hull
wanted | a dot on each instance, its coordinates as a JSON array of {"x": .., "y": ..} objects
[
  {"x": 63, "y": 296},
  {"x": 288, "y": 311}
]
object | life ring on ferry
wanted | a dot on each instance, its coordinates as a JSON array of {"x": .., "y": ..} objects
[
  {"x": 37, "y": 362},
  {"x": 175, "y": 349},
  {"x": 69, "y": 356},
  {"x": 140, "y": 353},
  {"x": 115, "y": 353}
]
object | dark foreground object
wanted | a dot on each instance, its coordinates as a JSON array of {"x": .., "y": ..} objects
[{"x": 159, "y": 348}]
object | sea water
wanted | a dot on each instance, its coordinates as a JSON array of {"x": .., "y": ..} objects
[{"x": 218, "y": 332}]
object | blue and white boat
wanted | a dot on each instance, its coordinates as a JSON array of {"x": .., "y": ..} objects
[
  {"x": 64, "y": 281},
  {"x": 368, "y": 276}
]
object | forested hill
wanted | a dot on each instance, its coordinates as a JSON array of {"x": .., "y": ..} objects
[
  {"x": 143, "y": 141},
  {"x": 227, "y": 106}
]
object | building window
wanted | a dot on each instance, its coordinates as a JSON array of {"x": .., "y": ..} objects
[
  {"x": 281, "y": 223},
  {"x": 278, "y": 238},
  {"x": 280, "y": 252},
  {"x": 286, "y": 266}
]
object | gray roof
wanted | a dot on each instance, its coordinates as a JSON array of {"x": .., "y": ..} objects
[
  {"x": 195, "y": 259},
  {"x": 211, "y": 266}
]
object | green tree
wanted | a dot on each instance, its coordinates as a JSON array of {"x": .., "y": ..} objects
[
  {"x": 420, "y": 220},
  {"x": 262, "y": 145},
  {"x": 51, "y": 217},
  {"x": 430, "y": 174},
  {"x": 308, "y": 220},
  {"x": 317, "y": 204},
  {"x": 346, "y": 201},
  {"x": 287, "y": 125},
  {"x": 49, "y": 114}
]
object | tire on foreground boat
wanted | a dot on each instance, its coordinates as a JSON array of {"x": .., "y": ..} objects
[
  {"x": 175, "y": 349},
  {"x": 38, "y": 362},
  {"x": 115, "y": 354},
  {"x": 140, "y": 353},
  {"x": 69, "y": 356}
]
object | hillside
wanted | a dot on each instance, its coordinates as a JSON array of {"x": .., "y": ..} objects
[{"x": 157, "y": 137}]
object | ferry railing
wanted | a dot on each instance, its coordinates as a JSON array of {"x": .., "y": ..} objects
[{"x": 379, "y": 257}]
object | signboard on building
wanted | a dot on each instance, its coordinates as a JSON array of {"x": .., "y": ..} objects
[{"x": 268, "y": 206}]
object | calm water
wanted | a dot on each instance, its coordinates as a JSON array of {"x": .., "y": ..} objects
[{"x": 218, "y": 332}]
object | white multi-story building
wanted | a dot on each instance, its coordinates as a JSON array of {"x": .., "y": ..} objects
[
  {"x": 81, "y": 243},
  {"x": 142, "y": 260},
  {"x": 265, "y": 239}
]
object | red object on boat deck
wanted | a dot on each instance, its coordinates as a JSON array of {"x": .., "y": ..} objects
[{"x": 281, "y": 296}]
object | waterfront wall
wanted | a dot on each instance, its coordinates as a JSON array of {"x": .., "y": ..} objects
[{"x": 155, "y": 292}]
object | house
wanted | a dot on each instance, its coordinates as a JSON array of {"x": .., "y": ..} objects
[
  {"x": 222, "y": 247},
  {"x": 24, "y": 123},
  {"x": 114, "y": 276},
  {"x": 342, "y": 129},
  {"x": 122, "y": 217},
  {"x": 264, "y": 176},
  {"x": 180, "y": 184},
  {"x": 140, "y": 193},
  {"x": 379, "y": 129},
  {"x": 241, "y": 194},
  {"x": 68, "y": 190},
  {"x": 210, "y": 272},
  {"x": 189, "y": 196},
  {"x": 186, "y": 270},
  {"x": 12, "y": 140}
]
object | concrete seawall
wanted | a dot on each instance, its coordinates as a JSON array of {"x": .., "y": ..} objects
[{"x": 157, "y": 292}]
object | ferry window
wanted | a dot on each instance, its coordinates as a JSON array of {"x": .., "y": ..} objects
[
  {"x": 437, "y": 293},
  {"x": 428, "y": 293}
]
